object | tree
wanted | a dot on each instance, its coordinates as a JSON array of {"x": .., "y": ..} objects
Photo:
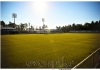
[
  {"x": 40, "y": 28},
  {"x": 79, "y": 27},
  {"x": 57, "y": 27},
  {"x": 2, "y": 23},
  {"x": 32, "y": 27},
  {"x": 97, "y": 25},
  {"x": 63, "y": 29},
  {"x": 68, "y": 28},
  {"x": 22, "y": 26},
  {"x": 11, "y": 24},
  {"x": 18, "y": 28},
  {"x": 92, "y": 25},
  {"x": 87, "y": 26},
  {"x": 99, "y": 21},
  {"x": 45, "y": 26},
  {"x": 73, "y": 26}
]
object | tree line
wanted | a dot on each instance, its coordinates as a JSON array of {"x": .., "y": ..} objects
[
  {"x": 21, "y": 26},
  {"x": 93, "y": 26}
]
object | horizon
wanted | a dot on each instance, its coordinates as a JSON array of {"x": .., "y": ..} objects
[{"x": 55, "y": 13}]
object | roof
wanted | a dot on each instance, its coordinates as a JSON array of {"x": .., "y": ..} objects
[{"x": 7, "y": 28}]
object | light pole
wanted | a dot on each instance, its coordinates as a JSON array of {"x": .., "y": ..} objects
[
  {"x": 43, "y": 23},
  {"x": 14, "y": 16}
]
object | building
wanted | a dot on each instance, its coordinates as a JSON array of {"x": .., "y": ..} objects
[{"x": 7, "y": 29}]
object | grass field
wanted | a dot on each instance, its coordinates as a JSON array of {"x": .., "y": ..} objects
[{"x": 45, "y": 50}]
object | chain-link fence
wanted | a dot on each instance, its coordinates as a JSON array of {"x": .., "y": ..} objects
[{"x": 91, "y": 61}]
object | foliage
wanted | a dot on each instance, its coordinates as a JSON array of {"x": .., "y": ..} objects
[
  {"x": 2, "y": 23},
  {"x": 87, "y": 26}
]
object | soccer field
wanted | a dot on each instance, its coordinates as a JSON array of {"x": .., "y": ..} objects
[{"x": 47, "y": 50}]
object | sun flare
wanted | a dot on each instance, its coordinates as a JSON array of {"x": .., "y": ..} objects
[{"x": 40, "y": 7}]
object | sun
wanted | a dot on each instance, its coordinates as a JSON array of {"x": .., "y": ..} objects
[{"x": 40, "y": 7}]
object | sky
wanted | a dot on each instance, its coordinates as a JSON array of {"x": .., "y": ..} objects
[{"x": 56, "y": 13}]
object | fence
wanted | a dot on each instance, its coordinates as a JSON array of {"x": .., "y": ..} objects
[
  {"x": 91, "y": 61},
  {"x": 84, "y": 31}
]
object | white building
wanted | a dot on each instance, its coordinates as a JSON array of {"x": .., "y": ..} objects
[{"x": 8, "y": 29}]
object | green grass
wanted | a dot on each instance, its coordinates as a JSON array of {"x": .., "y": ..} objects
[{"x": 21, "y": 49}]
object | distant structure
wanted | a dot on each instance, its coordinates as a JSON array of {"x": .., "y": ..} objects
[
  {"x": 8, "y": 29},
  {"x": 43, "y": 24},
  {"x": 14, "y": 16}
]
